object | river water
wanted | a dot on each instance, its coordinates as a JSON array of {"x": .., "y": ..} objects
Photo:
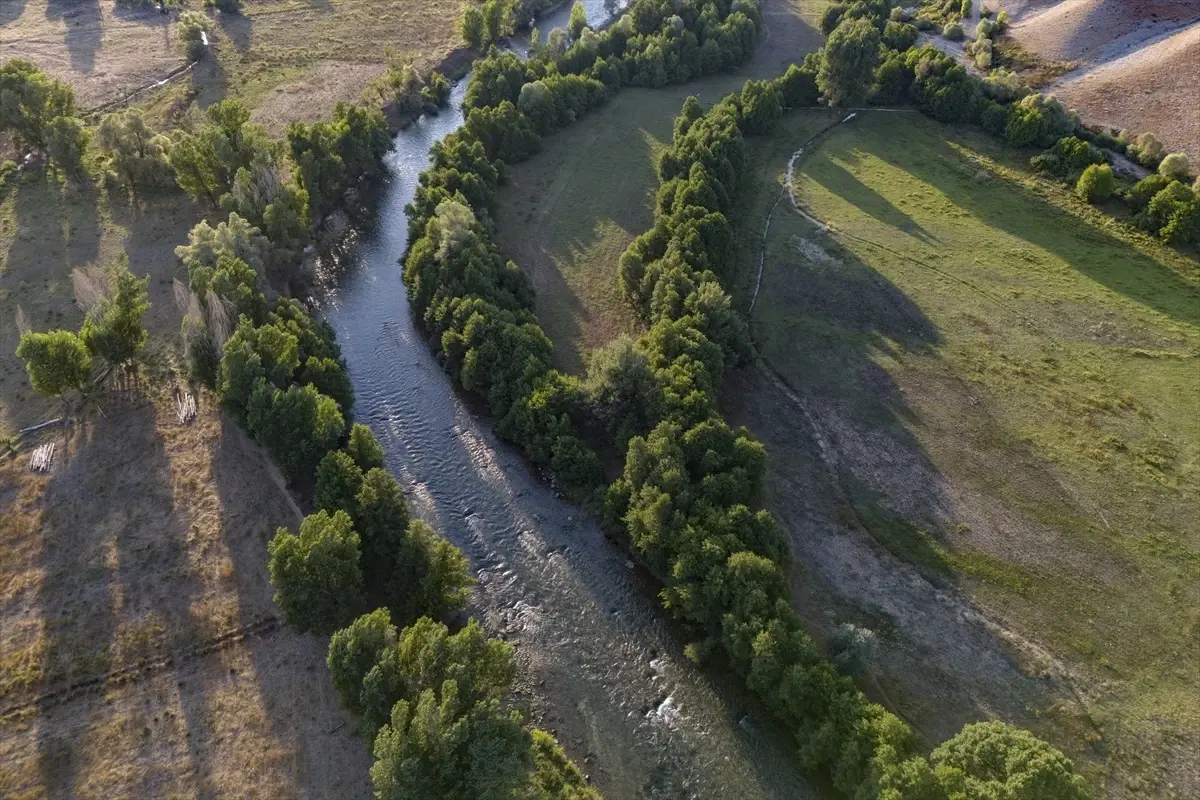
[{"x": 598, "y": 663}]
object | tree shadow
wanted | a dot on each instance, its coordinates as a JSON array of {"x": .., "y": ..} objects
[
  {"x": 840, "y": 181},
  {"x": 82, "y": 20},
  {"x": 239, "y": 29},
  {"x": 1087, "y": 248},
  {"x": 11, "y": 10},
  {"x": 114, "y": 562}
]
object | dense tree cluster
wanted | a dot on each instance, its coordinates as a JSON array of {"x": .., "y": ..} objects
[
  {"x": 687, "y": 495},
  {"x": 331, "y": 157}
]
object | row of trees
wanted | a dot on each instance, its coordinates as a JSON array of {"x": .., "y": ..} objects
[
  {"x": 429, "y": 702},
  {"x": 477, "y": 305},
  {"x": 869, "y": 57},
  {"x": 686, "y": 499}
]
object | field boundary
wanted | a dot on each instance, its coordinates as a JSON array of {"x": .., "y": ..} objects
[{"x": 144, "y": 668}]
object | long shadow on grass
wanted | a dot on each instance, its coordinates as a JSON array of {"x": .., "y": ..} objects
[
  {"x": 82, "y": 21},
  {"x": 1091, "y": 250},
  {"x": 114, "y": 564},
  {"x": 840, "y": 181}
]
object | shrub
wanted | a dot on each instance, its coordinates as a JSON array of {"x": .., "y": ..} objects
[
  {"x": 852, "y": 648},
  {"x": 1147, "y": 150},
  {"x": 1174, "y": 166},
  {"x": 1039, "y": 119},
  {"x": 1142, "y": 192},
  {"x": 965, "y": 8},
  {"x": 1096, "y": 183},
  {"x": 472, "y": 27},
  {"x": 899, "y": 14},
  {"x": 318, "y": 585},
  {"x": 56, "y": 361},
  {"x": 798, "y": 88},
  {"x": 984, "y": 29},
  {"x": 953, "y": 31}
]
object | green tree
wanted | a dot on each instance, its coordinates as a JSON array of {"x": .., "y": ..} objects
[
  {"x": 339, "y": 480},
  {"x": 29, "y": 101},
  {"x": 66, "y": 143},
  {"x": 473, "y": 27},
  {"x": 234, "y": 238},
  {"x": 382, "y": 519},
  {"x": 1174, "y": 166},
  {"x": 992, "y": 759},
  {"x": 115, "y": 330},
  {"x": 286, "y": 224},
  {"x": 848, "y": 65},
  {"x": 136, "y": 156},
  {"x": 330, "y": 378},
  {"x": 191, "y": 29},
  {"x": 364, "y": 448},
  {"x": 428, "y": 575},
  {"x": 355, "y": 650},
  {"x": 438, "y": 747},
  {"x": 555, "y": 776},
  {"x": 497, "y": 20},
  {"x": 315, "y": 573},
  {"x": 578, "y": 21},
  {"x": 298, "y": 426},
  {"x": 1096, "y": 183},
  {"x": 57, "y": 361},
  {"x": 234, "y": 282}
]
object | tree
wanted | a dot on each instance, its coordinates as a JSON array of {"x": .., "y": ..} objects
[
  {"x": 57, "y": 361},
  {"x": 497, "y": 20},
  {"x": 298, "y": 426},
  {"x": 329, "y": 376},
  {"x": 354, "y": 650},
  {"x": 30, "y": 100},
  {"x": 136, "y": 155},
  {"x": 578, "y": 21},
  {"x": 286, "y": 225},
  {"x": 992, "y": 759},
  {"x": 848, "y": 66},
  {"x": 114, "y": 330},
  {"x": 364, "y": 448},
  {"x": 192, "y": 28},
  {"x": 235, "y": 238},
  {"x": 438, "y": 747},
  {"x": 235, "y": 283},
  {"x": 339, "y": 480},
  {"x": 1174, "y": 166},
  {"x": 382, "y": 519},
  {"x": 473, "y": 27},
  {"x": 315, "y": 573},
  {"x": 1096, "y": 183},
  {"x": 428, "y": 575},
  {"x": 66, "y": 143}
]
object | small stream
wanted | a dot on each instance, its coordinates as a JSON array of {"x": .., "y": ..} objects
[{"x": 598, "y": 663}]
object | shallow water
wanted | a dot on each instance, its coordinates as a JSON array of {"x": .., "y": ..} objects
[{"x": 598, "y": 663}]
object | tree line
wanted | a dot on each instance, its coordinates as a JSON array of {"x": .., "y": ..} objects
[
  {"x": 870, "y": 56},
  {"x": 687, "y": 493}
]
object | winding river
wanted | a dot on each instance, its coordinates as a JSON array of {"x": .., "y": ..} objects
[{"x": 599, "y": 665}]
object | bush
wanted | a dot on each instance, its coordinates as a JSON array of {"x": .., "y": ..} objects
[
  {"x": 1039, "y": 119},
  {"x": 318, "y": 585},
  {"x": 114, "y": 329},
  {"x": 1142, "y": 192},
  {"x": 899, "y": 14},
  {"x": 953, "y": 31},
  {"x": 1174, "y": 166},
  {"x": 984, "y": 29},
  {"x": 297, "y": 426},
  {"x": 1096, "y": 183},
  {"x": 339, "y": 480},
  {"x": 965, "y": 8},
  {"x": 1147, "y": 150}
]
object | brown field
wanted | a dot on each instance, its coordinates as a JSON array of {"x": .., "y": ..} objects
[
  {"x": 1138, "y": 61},
  {"x": 289, "y": 59},
  {"x": 146, "y": 542}
]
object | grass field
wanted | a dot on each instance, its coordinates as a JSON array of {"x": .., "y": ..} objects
[
  {"x": 1011, "y": 392},
  {"x": 566, "y": 215}
]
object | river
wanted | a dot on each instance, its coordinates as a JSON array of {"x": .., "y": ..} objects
[{"x": 598, "y": 663}]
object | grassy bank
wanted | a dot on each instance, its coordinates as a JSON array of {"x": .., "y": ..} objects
[{"x": 1009, "y": 380}]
